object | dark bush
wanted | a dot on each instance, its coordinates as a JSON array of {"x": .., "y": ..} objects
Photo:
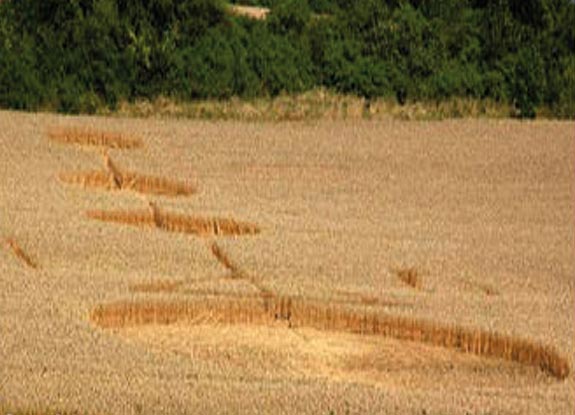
[
  {"x": 289, "y": 17},
  {"x": 81, "y": 55},
  {"x": 527, "y": 82}
]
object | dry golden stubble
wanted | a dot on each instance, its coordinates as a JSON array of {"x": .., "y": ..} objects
[
  {"x": 486, "y": 289},
  {"x": 157, "y": 286},
  {"x": 356, "y": 297}
]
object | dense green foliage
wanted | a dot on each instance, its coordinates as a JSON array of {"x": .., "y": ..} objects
[{"x": 80, "y": 55}]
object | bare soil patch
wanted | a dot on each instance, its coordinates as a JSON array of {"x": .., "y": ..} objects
[{"x": 253, "y": 12}]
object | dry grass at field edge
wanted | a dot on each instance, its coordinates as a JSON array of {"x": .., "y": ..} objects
[{"x": 313, "y": 105}]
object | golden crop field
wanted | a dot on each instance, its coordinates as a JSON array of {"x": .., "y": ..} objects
[{"x": 329, "y": 267}]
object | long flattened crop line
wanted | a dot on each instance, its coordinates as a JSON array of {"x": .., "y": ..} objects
[
  {"x": 170, "y": 222},
  {"x": 87, "y": 137},
  {"x": 300, "y": 312},
  {"x": 17, "y": 250}
]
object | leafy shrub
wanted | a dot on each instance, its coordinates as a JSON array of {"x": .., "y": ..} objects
[
  {"x": 527, "y": 82},
  {"x": 79, "y": 55},
  {"x": 280, "y": 65},
  {"x": 289, "y": 17},
  {"x": 565, "y": 105}
]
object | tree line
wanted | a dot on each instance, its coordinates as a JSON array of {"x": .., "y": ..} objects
[{"x": 82, "y": 55}]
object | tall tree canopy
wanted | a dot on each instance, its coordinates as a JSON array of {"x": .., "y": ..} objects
[{"x": 80, "y": 55}]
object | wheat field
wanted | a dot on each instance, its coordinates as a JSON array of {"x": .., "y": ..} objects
[{"x": 346, "y": 267}]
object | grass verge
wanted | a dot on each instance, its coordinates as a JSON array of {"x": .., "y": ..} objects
[{"x": 313, "y": 105}]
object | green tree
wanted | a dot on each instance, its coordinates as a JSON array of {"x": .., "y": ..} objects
[
  {"x": 527, "y": 82},
  {"x": 289, "y": 17},
  {"x": 281, "y": 64},
  {"x": 565, "y": 104}
]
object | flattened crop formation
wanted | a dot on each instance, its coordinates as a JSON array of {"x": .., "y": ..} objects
[{"x": 266, "y": 306}]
